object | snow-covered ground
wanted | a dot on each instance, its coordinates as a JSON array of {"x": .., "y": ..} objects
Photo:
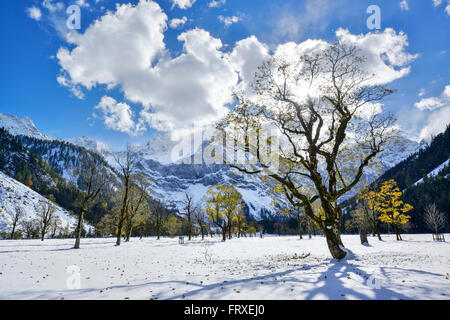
[{"x": 246, "y": 268}]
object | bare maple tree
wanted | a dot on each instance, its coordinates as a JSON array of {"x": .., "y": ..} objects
[
  {"x": 137, "y": 198},
  {"x": 126, "y": 163},
  {"x": 87, "y": 183},
  {"x": 434, "y": 218},
  {"x": 189, "y": 209},
  {"x": 16, "y": 218},
  {"x": 46, "y": 215},
  {"x": 322, "y": 107}
]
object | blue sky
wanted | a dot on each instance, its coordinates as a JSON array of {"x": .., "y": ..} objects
[{"x": 30, "y": 66}]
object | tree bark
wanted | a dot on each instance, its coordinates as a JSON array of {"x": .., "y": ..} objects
[
  {"x": 78, "y": 229},
  {"x": 190, "y": 226},
  {"x": 300, "y": 233},
  {"x": 334, "y": 243},
  {"x": 377, "y": 230},
  {"x": 13, "y": 229},
  {"x": 363, "y": 236}
]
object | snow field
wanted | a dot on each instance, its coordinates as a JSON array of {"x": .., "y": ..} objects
[{"x": 246, "y": 268}]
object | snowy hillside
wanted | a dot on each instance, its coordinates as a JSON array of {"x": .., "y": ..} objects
[
  {"x": 14, "y": 194},
  {"x": 435, "y": 171},
  {"x": 90, "y": 144}
]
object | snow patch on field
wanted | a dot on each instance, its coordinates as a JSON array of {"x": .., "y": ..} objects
[{"x": 246, "y": 268}]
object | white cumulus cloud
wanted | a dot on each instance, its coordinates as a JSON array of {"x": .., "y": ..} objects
[
  {"x": 125, "y": 50},
  {"x": 437, "y": 113},
  {"x": 404, "y": 5},
  {"x": 176, "y": 22},
  {"x": 183, "y": 4},
  {"x": 34, "y": 13},
  {"x": 228, "y": 21},
  {"x": 216, "y": 3},
  {"x": 117, "y": 116}
]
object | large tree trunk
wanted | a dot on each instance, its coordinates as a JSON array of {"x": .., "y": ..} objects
[
  {"x": 190, "y": 227},
  {"x": 377, "y": 230},
  {"x": 300, "y": 233},
  {"x": 128, "y": 234},
  {"x": 78, "y": 229},
  {"x": 119, "y": 233},
  {"x": 363, "y": 236},
  {"x": 13, "y": 230},
  {"x": 334, "y": 243},
  {"x": 397, "y": 232}
]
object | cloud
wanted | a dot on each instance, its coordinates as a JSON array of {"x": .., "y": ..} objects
[
  {"x": 436, "y": 123},
  {"x": 422, "y": 92},
  {"x": 292, "y": 22},
  {"x": 183, "y": 4},
  {"x": 216, "y": 3},
  {"x": 247, "y": 56},
  {"x": 65, "y": 82},
  {"x": 82, "y": 3},
  {"x": 175, "y": 23},
  {"x": 434, "y": 103},
  {"x": 228, "y": 21},
  {"x": 107, "y": 42},
  {"x": 404, "y": 5},
  {"x": 117, "y": 116},
  {"x": 34, "y": 13},
  {"x": 125, "y": 50},
  {"x": 437, "y": 3},
  {"x": 438, "y": 111},
  {"x": 384, "y": 52},
  {"x": 192, "y": 89},
  {"x": 52, "y": 7}
]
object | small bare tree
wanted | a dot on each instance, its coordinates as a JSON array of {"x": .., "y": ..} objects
[
  {"x": 91, "y": 179},
  {"x": 55, "y": 227},
  {"x": 201, "y": 220},
  {"x": 361, "y": 220},
  {"x": 137, "y": 198},
  {"x": 46, "y": 216},
  {"x": 434, "y": 218},
  {"x": 189, "y": 210},
  {"x": 159, "y": 216},
  {"x": 126, "y": 163},
  {"x": 30, "y": 228},
  {"x": 16, "y": 217}
]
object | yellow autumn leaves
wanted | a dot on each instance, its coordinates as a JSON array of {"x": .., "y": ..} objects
[{"x": 387, "y": 201}]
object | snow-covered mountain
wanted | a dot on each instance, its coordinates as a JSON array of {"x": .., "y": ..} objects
[
  {"x": 16, "y": 125},
  {"x": 14, "y": 194},
  {"x": 90, "y": 144},
  {"x": 170, "y": 177}
]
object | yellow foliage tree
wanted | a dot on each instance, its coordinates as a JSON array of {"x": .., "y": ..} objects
[
  {"x": 222, "y": 204},
  {"x": 391, "y": 207}
]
